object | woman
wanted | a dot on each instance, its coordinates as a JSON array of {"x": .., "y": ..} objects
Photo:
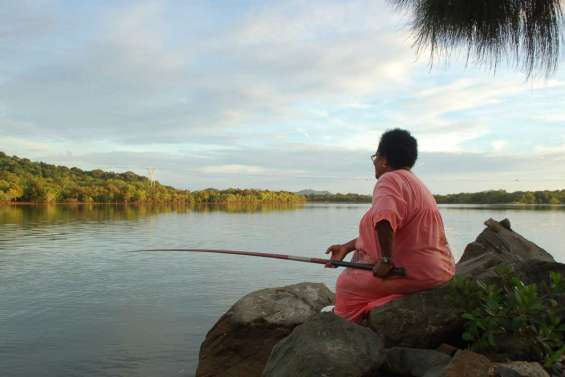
[{"x": 403, "y": 228}]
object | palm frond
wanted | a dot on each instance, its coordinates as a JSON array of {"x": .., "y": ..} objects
[{"x": 527, "y": 31}]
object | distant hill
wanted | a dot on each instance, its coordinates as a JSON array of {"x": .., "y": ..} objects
[
  {"x": 313, "y": 192},
  {"x": 22, "y": 180},
  {"x": 326, "y": 196}
]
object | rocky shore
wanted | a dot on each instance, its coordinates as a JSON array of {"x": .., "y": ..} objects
[{"x": 280, "y": 332}]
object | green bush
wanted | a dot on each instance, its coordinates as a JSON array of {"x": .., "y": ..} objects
[{"x": 509, "y": 308}]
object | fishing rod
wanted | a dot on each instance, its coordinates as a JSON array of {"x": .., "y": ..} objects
[{"x": 399, "y": 271}]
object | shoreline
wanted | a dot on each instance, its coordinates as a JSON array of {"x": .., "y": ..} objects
[
  {"x": 43, "y": 204},
  {"x": 184, "y": 204}
]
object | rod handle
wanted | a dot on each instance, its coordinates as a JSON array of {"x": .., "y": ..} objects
[{"x": 398, "y": 271}]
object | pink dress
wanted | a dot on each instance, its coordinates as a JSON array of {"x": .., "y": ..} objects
[{"x": 419, "y": 245}]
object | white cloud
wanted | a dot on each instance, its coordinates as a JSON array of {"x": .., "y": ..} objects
[
  {"x": 246, "y": 97},
  {"x": 498, "y": 145},
  {"x": 233, "y": 169},
  {"x": 556, "y": 152},
  {"x": 133, "y": 75},
  {"x": 449, "y": 137}
]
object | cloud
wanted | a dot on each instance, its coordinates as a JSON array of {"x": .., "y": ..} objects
[
  {"x": 233, "y": 169},
  {"x": 498, "y": 145},
  {"x": 132, "y": 80},
  {"x": 25, "y": 20},
  {"x": 292, "y": 94}
]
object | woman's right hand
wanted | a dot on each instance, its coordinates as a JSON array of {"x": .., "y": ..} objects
[{"x": 338, "y": 252}]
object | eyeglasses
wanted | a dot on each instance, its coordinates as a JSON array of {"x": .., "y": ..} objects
[{"x": 374, "y": 157}]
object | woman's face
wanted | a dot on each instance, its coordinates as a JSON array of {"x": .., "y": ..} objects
[{"x": 381, "y": 165}]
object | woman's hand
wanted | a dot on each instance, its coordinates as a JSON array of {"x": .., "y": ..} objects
[
  {"x": 338, "y": 252},
  {"x": 382, "y": 269}
]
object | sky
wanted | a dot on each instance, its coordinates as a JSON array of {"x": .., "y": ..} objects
[{"x": 281, "y": 95}]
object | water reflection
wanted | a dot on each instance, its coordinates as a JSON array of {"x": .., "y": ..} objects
[
  {"x": 245, "y": 207},
  {"x": 518, "y": 207},
  {"x": 65, "y": 213}
]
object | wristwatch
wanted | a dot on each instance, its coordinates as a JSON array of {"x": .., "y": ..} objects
[{"x": 386, "y": 260}]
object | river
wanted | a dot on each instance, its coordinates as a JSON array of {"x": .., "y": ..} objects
[{"x": 76, "y": 302}]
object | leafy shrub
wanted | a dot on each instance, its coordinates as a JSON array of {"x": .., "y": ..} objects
[{"x": 509, "y": 308}]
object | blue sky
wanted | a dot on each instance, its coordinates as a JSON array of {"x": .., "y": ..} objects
[{"x": 279, "y": 95}]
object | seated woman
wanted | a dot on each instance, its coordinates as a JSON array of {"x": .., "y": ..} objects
[{"x": 402, "y": 228}]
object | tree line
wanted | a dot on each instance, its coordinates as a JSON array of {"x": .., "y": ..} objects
[
  {"x": 22, "y": 180},
  {"x": 503, "y": 197},
  {"x": 339, "y": 198},
  {"x": 483, "y": 197}
]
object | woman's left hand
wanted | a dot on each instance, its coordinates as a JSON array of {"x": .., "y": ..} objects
[
  {"x": 382, "y": 269},
  {"x": 338, "y": 252}
]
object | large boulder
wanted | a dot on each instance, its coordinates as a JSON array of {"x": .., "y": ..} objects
[
  {"x": 520, "y": 369},
  {"x": 413, "y": 362},
  {"x": 498, "y": 245},
  {"x": 464, "y": 364},
  {"x": 428, "y": 318},
  {"x": 421, "y": 320},
  {"x": 240, "y": 342},
  {"x": 327, "y": 346}
]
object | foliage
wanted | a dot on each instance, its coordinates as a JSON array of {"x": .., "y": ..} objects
[
  {"x": 503, "y": 197},
  {"x": 484, "y": 197},
  {"x": 22, "y": 180},
  {"x": 509, "y": 308},
  {"x": 339, "y": 198},
  {"x": 528, "y": 30}
]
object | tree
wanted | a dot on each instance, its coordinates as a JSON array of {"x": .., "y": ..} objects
[
  {"x": 526, "y": 30},
  {"x": 24, "y": 180}
]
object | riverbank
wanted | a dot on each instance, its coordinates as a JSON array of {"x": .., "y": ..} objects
[
  {"x": 464, "y": 328},
  {"x": 181, "y": 204}
]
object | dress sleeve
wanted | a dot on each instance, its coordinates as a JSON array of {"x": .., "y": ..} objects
[{"x": 388, "y": 202}]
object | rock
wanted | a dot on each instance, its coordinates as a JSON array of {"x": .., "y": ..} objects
[
  {"x": 327, "y": 346},
  {"x": 413, "y": 361},
  {"x": 514, "y": 347},
  {"x": 500, "y": 371},
  {"x": 468, "y": 364},
  {"x": 241, "y": 341},
  {"x": 428, "y": 319},
  {"x": 522, "y": 368},
  {"x": 421, "y": 320},
  {"x": 497, "y": 245},
  {"x": 448, "y": 349},
  {"x": 538, "y": 271},
  {"x": 438, "y": 371}
]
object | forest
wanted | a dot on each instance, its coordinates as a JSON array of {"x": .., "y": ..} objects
[
  {"x": 483, "y": 197},
  {"x": 503, "y": 197},
  {"x": 22, "y": 180},
  {"x": 339, "y": 198}
]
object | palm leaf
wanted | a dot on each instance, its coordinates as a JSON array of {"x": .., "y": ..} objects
[{"x": 525, "y": 31}]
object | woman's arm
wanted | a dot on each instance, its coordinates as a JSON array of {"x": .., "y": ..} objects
[
  {"x": 338, "y": 252},
  {"x": 350, "y": 245},
  {"x": 385, "y": 235}
]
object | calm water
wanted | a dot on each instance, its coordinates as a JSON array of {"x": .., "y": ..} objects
[{"x": 75, "y": 302}]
